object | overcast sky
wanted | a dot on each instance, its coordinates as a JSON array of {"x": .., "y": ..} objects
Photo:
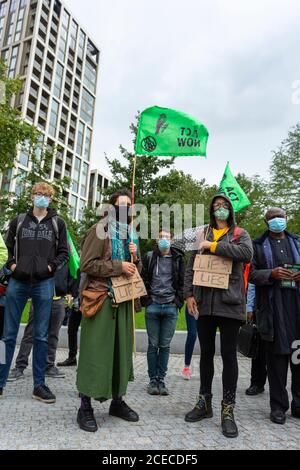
[{"x": 229, "y": 63}]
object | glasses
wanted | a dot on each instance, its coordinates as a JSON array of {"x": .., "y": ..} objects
[{"x": 224, "y": 204}]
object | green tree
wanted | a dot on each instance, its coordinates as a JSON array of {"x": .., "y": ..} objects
[{"x": 13, "y": 129}]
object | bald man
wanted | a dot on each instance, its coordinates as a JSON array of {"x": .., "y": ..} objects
[{"x": 277, "y": 279}]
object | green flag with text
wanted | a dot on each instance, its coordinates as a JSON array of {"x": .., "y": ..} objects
[
  {"x": 231, "y": 188},
  {"x": 167, "y": 132}
]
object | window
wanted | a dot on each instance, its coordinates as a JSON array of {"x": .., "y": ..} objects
[
  {"x": 90, "y": 76},
  {"x": 63, "y": 36},
  {"x": 73, "y": 39},
  {"x": 20, "y": 182},
  {"x": 58, "y": 80},
  {"x": 81, "y": 209},
  {"x": 73, "y": 211},
  {"x": 4, "y": 55},
  {"x": 20, "y": 20},
  {"x": 88, "y": 142},
  {"x": 79, "y": 147},
  {"x": 3, "y": 10},
  {"x": 81, "y": 44},
  {"x": 11, "y": 21},
  {"x": 13, "y": 62},
  {"x": 6, "y": 180},
  {"x": 76, "y": 175},
  {"x": 84, "y": 180},
  {"x": 24, "y": 158},
  {"x": 53, "y": 118},
  {"x": 87, "y": 107}
]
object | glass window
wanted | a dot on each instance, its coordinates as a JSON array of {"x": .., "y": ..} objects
[
  {"x": 58, "y": 80},
  {"x": 20, "y": 20},
  {"x": 6, "y": 180},
  {"x": 3, "y": 10},
  {"x": 88, "y": 142},
  {"x": 73, "y": 211},
  {"x": 81, "y": 44},
  {"x": 13, "y": 62},
  {"x": 87, "y": 107},
  {"x": 81, "y": 209},
  {"x": 53, "y": 118},
  {"x": 73, "y": 39},
  {"x": 76, "y": 175},
  {"x": 84, "y": 180},
  {"x": 90, "y": 76},
  {"x": 24, "y": 157},
  {"x": 20, "y": 182},
  {"x": 11, "y": 21},
  {"x": 79, "y": 147}
]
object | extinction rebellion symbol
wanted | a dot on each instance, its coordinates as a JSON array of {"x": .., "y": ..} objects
[{"x": 149, "y": 144}]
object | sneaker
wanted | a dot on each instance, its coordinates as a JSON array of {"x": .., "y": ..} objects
[
  {"x": 229, "y": 427},
  {"x": 186, "y": 373},
  {"x": 152, "y": 388},
  {"x": 44, "y": 394},
  {"x": 203, "y": 409},
  {"x": 86, "y": 420},
  {"x": 15, "y": 375},
  {"x": 162, "y": 388},
  {"x": 123, "y": 411},
  {"x": 69, "y": 362},
  {"x": 55, "y": 373}
]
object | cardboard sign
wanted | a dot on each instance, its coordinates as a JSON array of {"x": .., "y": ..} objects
[
  {"x": 122, "y": 286},
  {"x": 212, "y": 271},
  {"x": 213, "y": 264}
]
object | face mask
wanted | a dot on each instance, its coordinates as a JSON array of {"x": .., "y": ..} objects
[
  {"x": 164, "y": 244},
  {"x": 277, "y": 225},
  {"x": 41, "y": 202},
  {"x": 123, "y": 214},
  {"x": 222, "y": 214}
]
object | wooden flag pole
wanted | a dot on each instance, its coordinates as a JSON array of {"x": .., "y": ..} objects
[{"x": 132, "y": 206}]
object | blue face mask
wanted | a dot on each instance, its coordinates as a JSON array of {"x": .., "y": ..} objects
[
  {"x": 164, "y": 244},
  {"x": 277, "y": 225},
  {"x": 41, "y": 202}
]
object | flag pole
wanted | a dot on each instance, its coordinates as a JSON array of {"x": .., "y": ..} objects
[{"x": 132, "y": 286}]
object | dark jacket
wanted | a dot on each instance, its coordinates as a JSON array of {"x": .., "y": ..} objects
[
  {"x": 178, "y": 270},
  {"x": 37, "y": 247},
  {"x": 230, "y": 303},
  {"x": 260, "y": 275}
]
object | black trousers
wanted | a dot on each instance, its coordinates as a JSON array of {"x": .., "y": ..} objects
[
  {"x": 277, "y": 366},
  {"x": 229, "y": 329},
  {"x": 259, "y": 366},
  {"x": 1, "y": 321},
  {"x": 73, "y": 327}
]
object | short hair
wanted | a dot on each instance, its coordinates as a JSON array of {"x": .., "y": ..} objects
[
  {"x": 273, "y": 210},
  {"x": 121, "y": 192},
  {"x": 45, "y": 187},
  {"x": 167, "y": 230}
]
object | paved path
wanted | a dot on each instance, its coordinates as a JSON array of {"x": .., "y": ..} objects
[{"x": 27, "y": 424}]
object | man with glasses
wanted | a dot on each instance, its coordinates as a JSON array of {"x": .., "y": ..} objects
[{"x": 37, "y": 245}]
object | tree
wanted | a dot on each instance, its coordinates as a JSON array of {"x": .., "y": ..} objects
[
  {"x": 13, "y": 130},
  {"x": 285, "y": 177}
]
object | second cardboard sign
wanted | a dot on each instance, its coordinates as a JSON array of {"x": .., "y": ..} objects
[{"x": 212, "y": 271}]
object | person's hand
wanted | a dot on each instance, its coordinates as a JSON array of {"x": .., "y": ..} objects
[
  {"x": 249, "y": 317},
  {"x": 133, "y": 250},
  {"x": 205, "y": 245},
  {"x": 281, "y": 273},
  {"x": 128, "y": 269},
  {"x": 69, "y": 299},
  {"x": 49, "y": 269},
  {"x": 192, "y": 306},
  {"x": 296, "y": 277},
  {"x": 13, "y": 267}
]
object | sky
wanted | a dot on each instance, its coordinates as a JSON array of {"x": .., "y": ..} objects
[{"x": 231, "y": 64}]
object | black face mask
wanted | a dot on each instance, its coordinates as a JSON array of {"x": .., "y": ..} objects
[{"x": 123, "y": 214}]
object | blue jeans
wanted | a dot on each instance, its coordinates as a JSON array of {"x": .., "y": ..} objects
[
  {"x": 192, "y": 333},
  {"x": 161, "y": 325},
  {"x": 17, "y": 295}
]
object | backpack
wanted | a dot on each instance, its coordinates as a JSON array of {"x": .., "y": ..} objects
[
  {"x": 238, "y": 231},
  {"x": 20, "y": 220}
]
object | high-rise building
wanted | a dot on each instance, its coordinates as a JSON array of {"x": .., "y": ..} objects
[
  {"x": 44, "y": 44},
  {"x": 99, "y": 182}
]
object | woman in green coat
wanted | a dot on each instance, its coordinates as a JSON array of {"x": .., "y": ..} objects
[{"x": 106, "y": 347}]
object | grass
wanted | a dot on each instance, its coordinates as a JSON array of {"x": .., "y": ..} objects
[{"x": 139, "y": 319}]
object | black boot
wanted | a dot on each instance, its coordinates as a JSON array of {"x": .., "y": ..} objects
[
  {"x": 254, "y": 390},
  {"x": 229, "y": 426},
  {"x": 203, "y": 409},
  {"x": 68, "y": 362},
  {"x": 121, "y": 410},
  {"x": 86, "y": 420}
]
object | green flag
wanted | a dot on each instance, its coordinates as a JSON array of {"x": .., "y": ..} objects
[
  {"x": 74, "y": 260},
  {"x": 166, "y": 132},
  {"x": 231, "y": 188}
]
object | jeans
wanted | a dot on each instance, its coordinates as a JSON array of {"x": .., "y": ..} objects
[
  {"x": 161, "y": 322},
  {"x": 17, "y": 295},
  {"x": 191, "y": 324},
  {"x": 56, "y": 320}
]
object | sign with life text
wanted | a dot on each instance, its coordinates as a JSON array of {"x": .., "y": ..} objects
[
  {"x": 212, "y": 271},
  {"x": 128, "y": 288}
]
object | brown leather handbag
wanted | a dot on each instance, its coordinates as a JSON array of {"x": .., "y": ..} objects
[{"x": 92, "y": 302}]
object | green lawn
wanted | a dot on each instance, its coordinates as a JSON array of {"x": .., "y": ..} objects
[{"x": 140, "y": 319}]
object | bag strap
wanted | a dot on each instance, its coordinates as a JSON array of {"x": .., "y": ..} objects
[{"x": 56, "y": 230}]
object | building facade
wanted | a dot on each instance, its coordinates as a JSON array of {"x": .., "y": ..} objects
[
  {"x": 42, "y": 43},
  {"x": 98, "y": 184}
]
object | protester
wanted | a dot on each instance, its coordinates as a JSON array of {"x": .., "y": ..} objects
[
  {"x": 56, "y": 321},
  {"x": 106, "y": 345},
  {"x": 74, "y": 321},
  {"x": 258, "y": 367},
  {"x": 37, "y": 245},
  {"x": 191, "y": 338},
  {"x": 163, "y": 275},
  {"x": 220, "y": 308},
  {"x": 278, "y": 309}
]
